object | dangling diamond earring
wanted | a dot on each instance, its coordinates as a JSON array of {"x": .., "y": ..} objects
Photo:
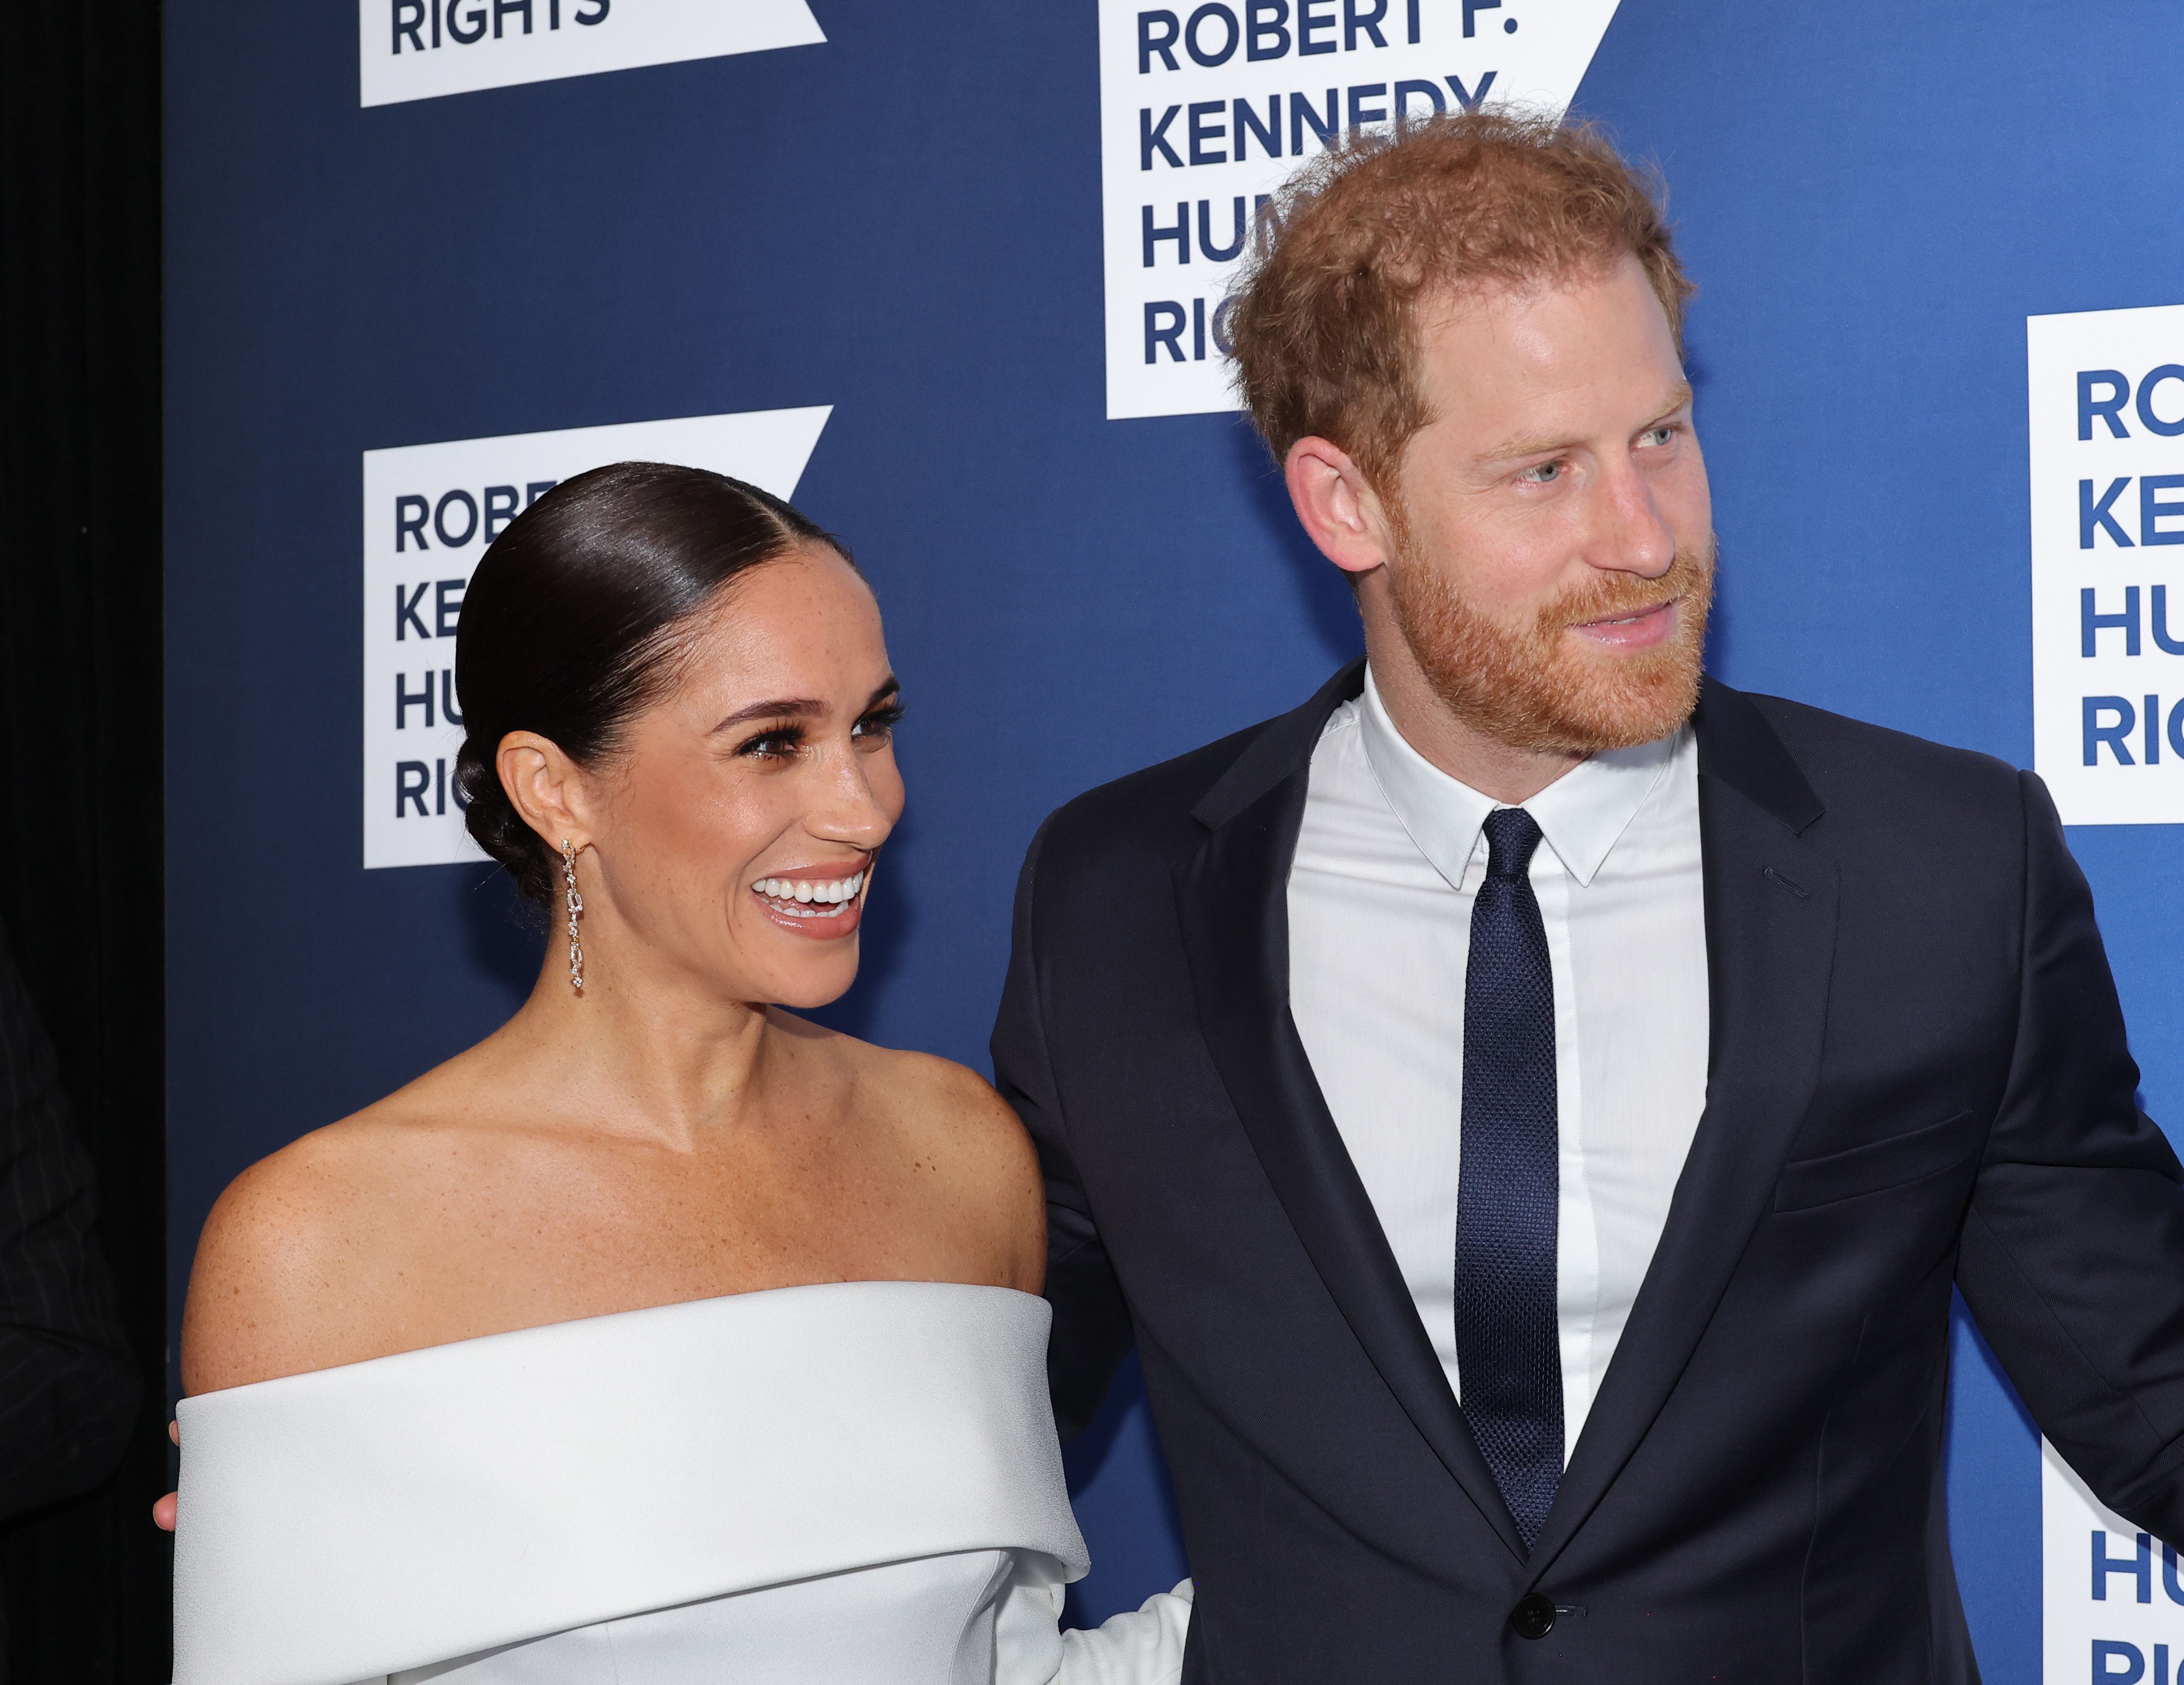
[{"x": 576, "y": 906}]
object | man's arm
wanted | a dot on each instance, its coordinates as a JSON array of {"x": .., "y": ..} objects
[
  {"x": 68, "y": 1388},
  {"x": 1092, "y": 1332},
  {"x": 2073, "y": 1256}
]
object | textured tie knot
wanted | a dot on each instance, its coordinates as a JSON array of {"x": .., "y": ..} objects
[{"x": 1512, "y": 835}]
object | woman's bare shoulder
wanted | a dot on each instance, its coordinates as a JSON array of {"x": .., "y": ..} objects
[
  {"x": 957, "y": 1130},
  {"x": 931, "y": 1095},
  {"x": 964, "y": 1131},
  {"x": 288, "y": 1266}
]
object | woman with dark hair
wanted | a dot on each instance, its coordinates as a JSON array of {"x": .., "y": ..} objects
[{"x": 663, "y": 1336}]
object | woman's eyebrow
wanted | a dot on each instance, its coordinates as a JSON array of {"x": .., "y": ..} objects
[
  {"x": 794, "y": 707},
  {"x": 800, "y": 707}
]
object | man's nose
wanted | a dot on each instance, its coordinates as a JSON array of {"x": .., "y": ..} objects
[{"x": 1629, "y": 535}]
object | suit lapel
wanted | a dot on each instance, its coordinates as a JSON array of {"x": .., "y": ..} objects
[
  {"x": 1232, "y": 902},
  {"x": 1770, "y": 915}
]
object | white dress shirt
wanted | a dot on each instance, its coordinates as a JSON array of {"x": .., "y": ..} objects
[{"x": 1390, "y": 855}]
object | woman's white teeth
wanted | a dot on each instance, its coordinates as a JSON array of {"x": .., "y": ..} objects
[{"x": 794, "y": 894}]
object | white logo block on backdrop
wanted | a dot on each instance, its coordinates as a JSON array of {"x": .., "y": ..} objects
[
  {"x": 1204, "y": 110},
  {"x": 419, "y": 49},
  {"x": 2105, "y": 391},
  {"x": 2112, "y": 1607},
  {"x": 429, "y": 512}
]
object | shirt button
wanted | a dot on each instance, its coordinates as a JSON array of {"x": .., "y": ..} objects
[{"x": 1534, "y": 1617}]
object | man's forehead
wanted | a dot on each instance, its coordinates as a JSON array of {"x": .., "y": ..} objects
[{"x": 1550, "y": 356}]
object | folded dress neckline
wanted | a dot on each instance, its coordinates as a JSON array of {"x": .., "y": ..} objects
[{"x": 389, "y": 1514}]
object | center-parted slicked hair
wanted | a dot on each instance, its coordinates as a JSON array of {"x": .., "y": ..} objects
[{"x": 1325, "y": 326}]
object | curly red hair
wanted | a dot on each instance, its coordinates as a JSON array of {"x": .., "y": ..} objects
[{"x": 1324, "y": 326}]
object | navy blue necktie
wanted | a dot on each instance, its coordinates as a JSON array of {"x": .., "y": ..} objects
[{"x": 1508, "y": 1349}]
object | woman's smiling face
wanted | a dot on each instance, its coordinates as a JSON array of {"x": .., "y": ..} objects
[{"x": 735, "y": 825}]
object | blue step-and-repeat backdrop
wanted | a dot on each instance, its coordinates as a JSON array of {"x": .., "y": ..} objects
[{"x": 953, "y": 277}]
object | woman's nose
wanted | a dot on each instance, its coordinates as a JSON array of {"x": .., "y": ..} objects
[{"x": 850, "y": 810}]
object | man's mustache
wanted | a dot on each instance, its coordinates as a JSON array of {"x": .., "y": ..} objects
[{"x": 1613, "y": 596}]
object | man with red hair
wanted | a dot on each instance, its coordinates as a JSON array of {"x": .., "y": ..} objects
[{"x": 1529, "y": 1105}]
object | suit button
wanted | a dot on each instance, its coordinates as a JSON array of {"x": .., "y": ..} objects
[{"x": 1534, "y": 1617}]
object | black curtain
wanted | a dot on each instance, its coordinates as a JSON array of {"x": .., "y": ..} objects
[{"x": 82, "y": 741}]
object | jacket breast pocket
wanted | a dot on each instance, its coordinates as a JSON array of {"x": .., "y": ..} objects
[{"x": 1806, "y": 1183}]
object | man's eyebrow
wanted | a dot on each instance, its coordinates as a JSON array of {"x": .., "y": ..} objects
[
  {"x": 1527, "y": 444},
  {"x": 1546, "y": 444},
  {"x": 1680, "y": 394}
]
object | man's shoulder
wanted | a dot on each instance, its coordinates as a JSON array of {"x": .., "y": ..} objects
[
  {"x": 1173, "y": 804},
  {"x": 1150, "y": 810},
  {"x": 1856, "y": 766}
]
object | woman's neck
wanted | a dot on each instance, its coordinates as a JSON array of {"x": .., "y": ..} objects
[{"x": 638, "y": 1051}]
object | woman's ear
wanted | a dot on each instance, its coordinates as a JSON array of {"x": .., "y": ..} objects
[{"x": 546, "y": 787}]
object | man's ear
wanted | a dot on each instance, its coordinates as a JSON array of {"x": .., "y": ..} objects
[
  {"x": 546, "y": 787},
  {"x": 1340, "y": 511}
]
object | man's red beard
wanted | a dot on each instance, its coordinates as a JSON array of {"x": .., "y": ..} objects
[{"x": 1543, "y": 688}]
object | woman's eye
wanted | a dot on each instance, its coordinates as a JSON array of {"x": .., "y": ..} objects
[
  {"x": 773, "y": 745},
  {"x": 878, "y": 726}
]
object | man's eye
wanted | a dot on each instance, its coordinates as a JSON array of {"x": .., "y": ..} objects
[
  {"x": 1654, "y": 437},
  {"x": 1546, "y": 474}
]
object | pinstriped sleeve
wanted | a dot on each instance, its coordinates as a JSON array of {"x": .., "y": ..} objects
[{"x": 69, "y": 1390}]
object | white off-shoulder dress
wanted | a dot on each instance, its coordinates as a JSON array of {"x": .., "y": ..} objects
[{"x": 853, "y": 1484}]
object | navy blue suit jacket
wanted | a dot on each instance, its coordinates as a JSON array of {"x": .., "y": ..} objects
[{"x": 1918, "y": 1078}]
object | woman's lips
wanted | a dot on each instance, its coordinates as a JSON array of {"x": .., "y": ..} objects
[
  {"x": 820, "y": 902},
  {"x": 1638, "y": 630}
]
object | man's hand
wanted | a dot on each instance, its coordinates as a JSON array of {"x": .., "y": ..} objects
[{"x": 163, "y": 1512}]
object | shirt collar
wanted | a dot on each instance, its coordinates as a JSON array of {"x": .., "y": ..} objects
[{"x": 1581, "y": 815}]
